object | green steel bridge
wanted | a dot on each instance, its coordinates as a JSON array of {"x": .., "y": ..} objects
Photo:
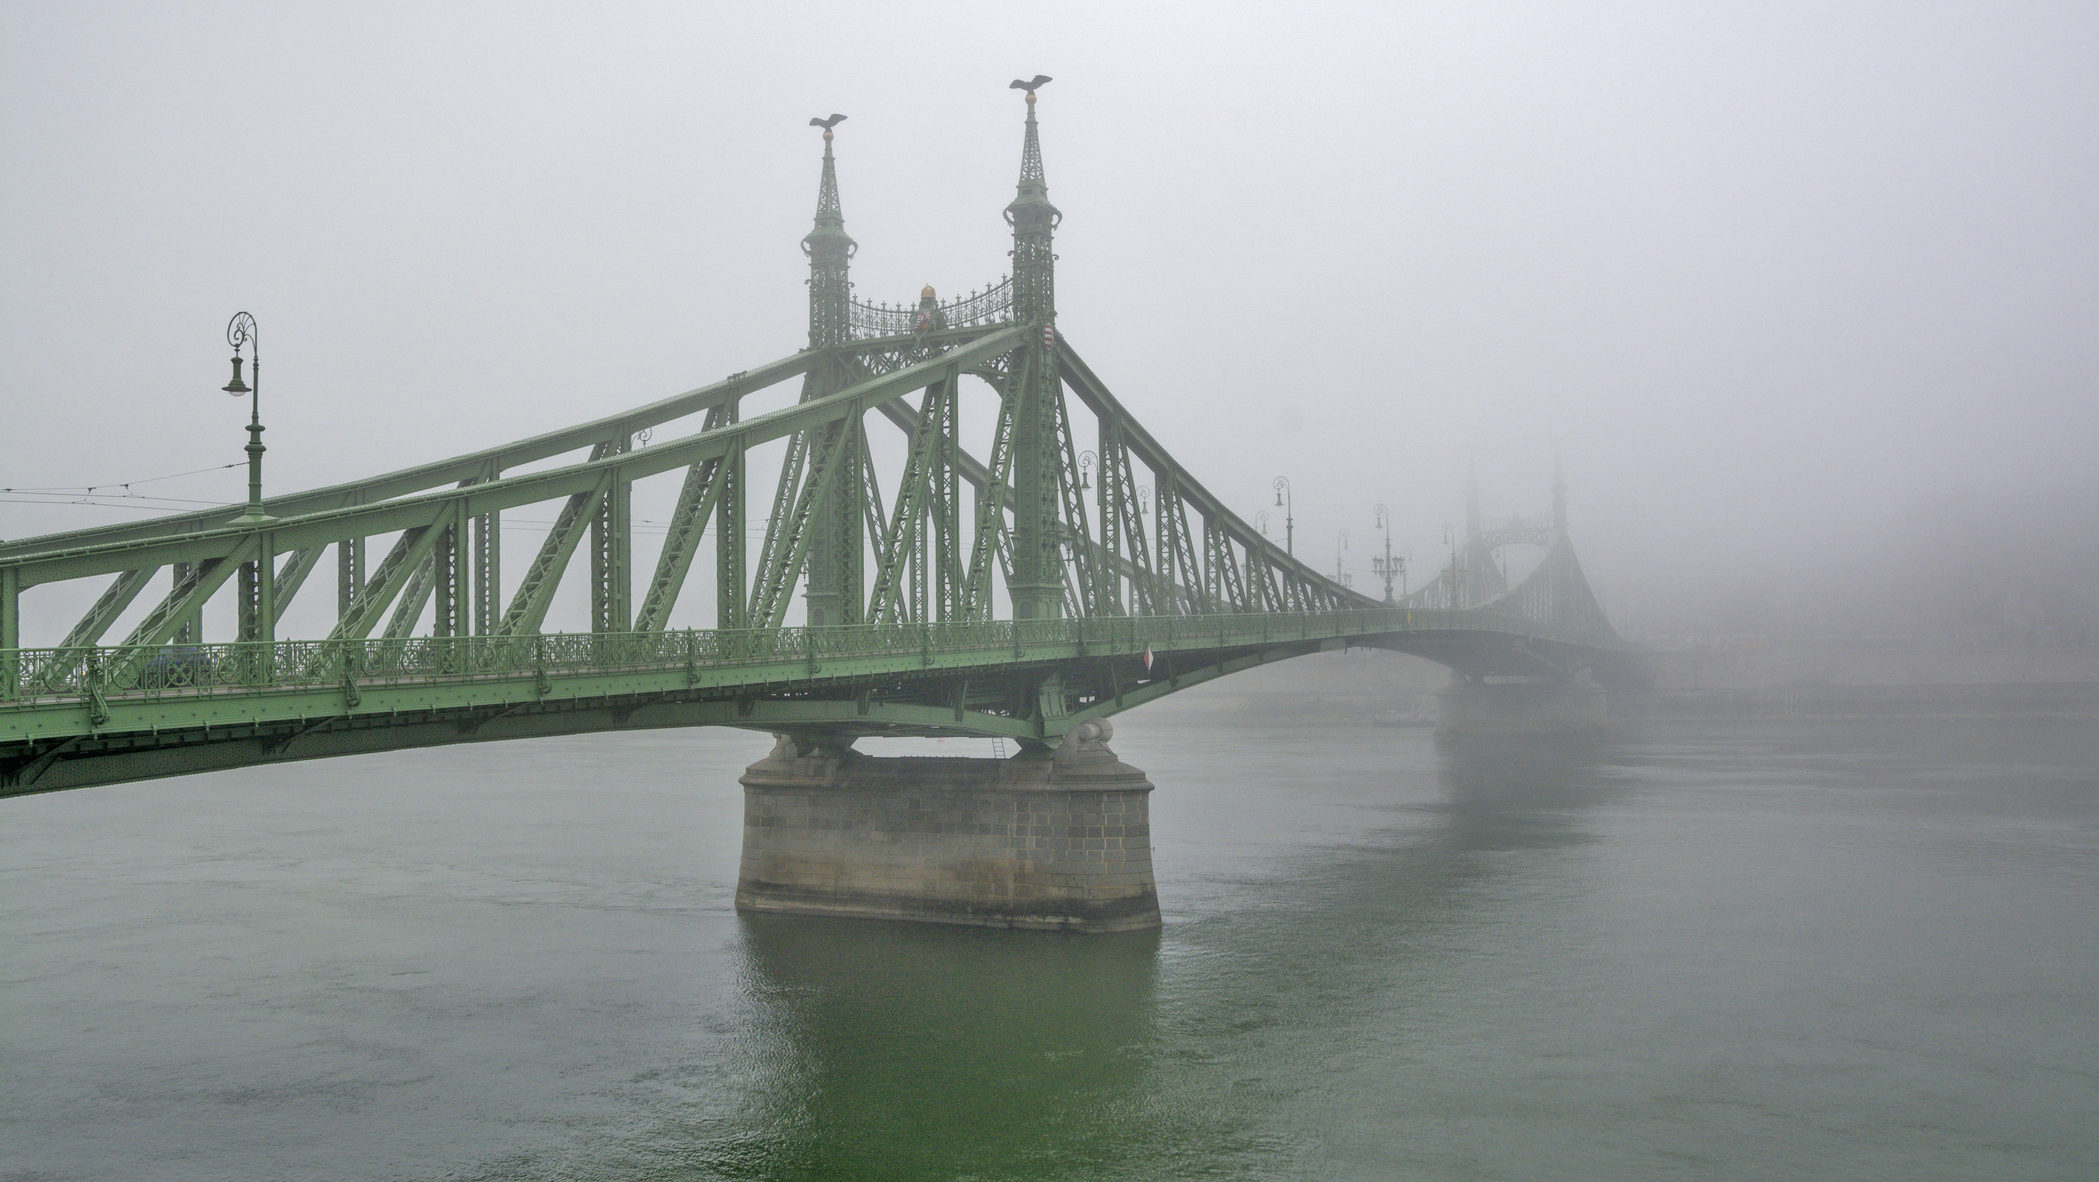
[{"x": 998, "y": 592}]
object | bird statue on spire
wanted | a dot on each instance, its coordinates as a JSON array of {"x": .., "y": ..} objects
[
  {"x": 835, "y": 120},
  {"x": 1032, "y": 86}
]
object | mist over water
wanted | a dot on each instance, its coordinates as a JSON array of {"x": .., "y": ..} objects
[
  {"x": 1801, "y": 295},
  {"x": 1709, "y": 950}
]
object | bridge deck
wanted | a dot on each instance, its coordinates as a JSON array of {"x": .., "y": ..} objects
[{"x": 153, "y": 701}]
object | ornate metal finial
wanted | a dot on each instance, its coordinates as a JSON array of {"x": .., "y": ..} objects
[
  {"x": 827, "y": 189},
  {"x": 1033, "y": 219},
  {"x": 1031, "y": 179}
]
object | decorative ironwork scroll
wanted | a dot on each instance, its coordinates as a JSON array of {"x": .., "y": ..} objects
[{"x": 994, "y": 305}]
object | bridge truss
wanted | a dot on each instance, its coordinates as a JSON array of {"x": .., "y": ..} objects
[{"x": 945, "y": 589}]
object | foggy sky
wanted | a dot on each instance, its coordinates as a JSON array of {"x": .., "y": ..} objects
[{"x": 1767, "y": 278}]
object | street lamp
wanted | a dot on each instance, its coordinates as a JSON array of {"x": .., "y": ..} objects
[
  {"x": 1086, "y": 462},
  {"x": 240, "y": 333},
  {"x": 1261, "y": 521},
  {"x": 1387, "y": 566},
  {"x": 1286, "y": 500}
]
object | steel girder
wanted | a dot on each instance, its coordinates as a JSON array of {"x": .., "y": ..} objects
[{"x": 366, "y": 520}]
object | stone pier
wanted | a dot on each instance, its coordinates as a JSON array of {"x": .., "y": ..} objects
[
  {"x": 1058, "y": 840},
  {"x": 1522, "y": 706}
]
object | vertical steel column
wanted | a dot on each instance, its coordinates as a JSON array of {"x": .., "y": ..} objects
[
  {"x": 191, "y": 628},
  {"x": 266, "y": 588},
  {"x": 258, "y": 591},
  {"x": 729, "y": 586},
  {"x": 10, "y": 629},
  {"x": 1109, "y": 575},
  {"x": 349, "y": 576},
  {"x": 1168, "y": 596},
  {"x": 612, "y": 544},
  {"x": 1214, "y": 567},
  {"x": 947, "y": 510},
  {"x": 448, "y": 559},
  {"x": 245, "y": 588},
  {"x": 488, "y": 572},
  {"x": 919, "y": 529},
  {"x": 258, "y": 608},
  {"x": 848, "y": 491},
  {"x": 835, "y": 567}
]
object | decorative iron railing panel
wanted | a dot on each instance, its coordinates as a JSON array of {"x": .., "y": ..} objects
[
  {"x": 41, "y": 676},
  {"x": 994, "y": 305}
]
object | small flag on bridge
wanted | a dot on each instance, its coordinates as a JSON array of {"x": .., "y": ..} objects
[{"x": 1147, "y": 657}]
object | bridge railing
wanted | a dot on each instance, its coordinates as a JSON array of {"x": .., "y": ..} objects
[
  {"x": 40, "y": 675},
  {"x": 993, "y": 305}
]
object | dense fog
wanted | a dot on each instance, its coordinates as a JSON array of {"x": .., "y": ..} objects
[{"x": 1801, "y": 296}]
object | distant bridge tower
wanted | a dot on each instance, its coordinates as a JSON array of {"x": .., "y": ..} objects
[
  {"x": 1034, "y": 387},
  {"x": 1559, "y": 498}
]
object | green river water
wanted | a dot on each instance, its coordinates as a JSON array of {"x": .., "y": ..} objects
[{"x": 1695, "y": 950}]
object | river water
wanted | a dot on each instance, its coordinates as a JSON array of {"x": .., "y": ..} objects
[{"x": 1696, "y": 950}]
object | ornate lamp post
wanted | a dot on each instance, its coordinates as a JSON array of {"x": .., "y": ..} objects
[
  {"x": 1086, "y": 462},
  {"x": 241, "y": 333},
  {"x": 1387, "y": 567},
  {"x": 1286, "y": 500}
]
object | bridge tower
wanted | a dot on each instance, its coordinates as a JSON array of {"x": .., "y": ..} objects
[
  {"x": 1034, "y": 387},
  {"x": 832, "y": 463},
  {"x": 1559, "y": 499}
]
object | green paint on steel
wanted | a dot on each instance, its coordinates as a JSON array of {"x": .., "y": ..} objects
[{"x": 903, "y": 572}]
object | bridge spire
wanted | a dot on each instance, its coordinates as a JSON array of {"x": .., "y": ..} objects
[
  {"x": 833, "y": 572},
  {"x": 830, "y": 251},
  {"x": 1559, "y": 497},
  {"x": 1472, "y": 499},
  {"x": 1035, "y": 393},
  {"x": 1034, "y": 220}
]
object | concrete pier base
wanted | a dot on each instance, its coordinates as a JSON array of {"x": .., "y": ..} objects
[
  {"x": 1059, "y": 840},
  {"x": 1523, "y": 706}
]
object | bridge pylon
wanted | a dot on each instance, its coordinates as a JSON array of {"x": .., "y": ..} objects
[
  {"x": 831, "y": 461},
  {"x": 1035, "y": 389}
]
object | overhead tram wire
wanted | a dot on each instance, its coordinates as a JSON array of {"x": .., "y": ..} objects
[
  {"x": 125, "y": 484},
  {"x": 136, "y": 504}
]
